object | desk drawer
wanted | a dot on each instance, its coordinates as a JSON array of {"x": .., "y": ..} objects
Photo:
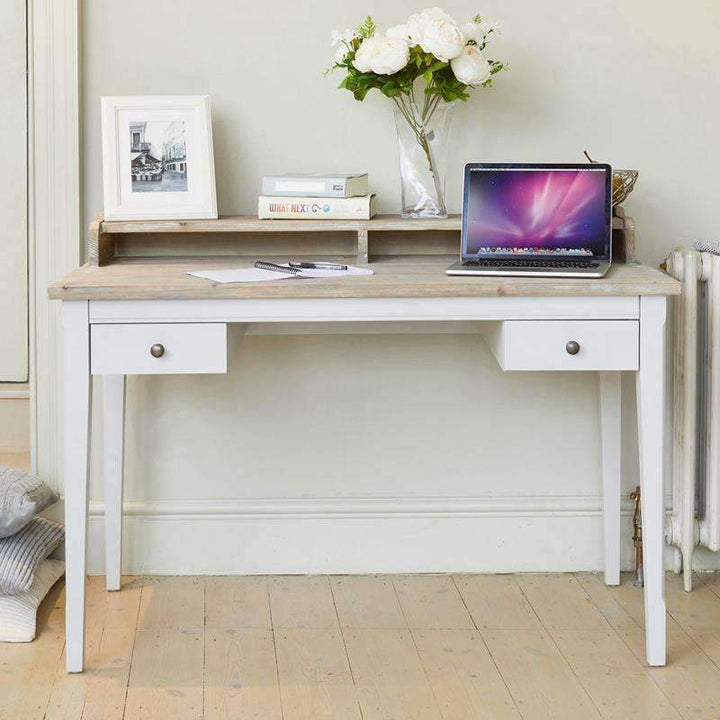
[
  {"x": 566, "y": 344},
  {"x": 155, "y": 348}
]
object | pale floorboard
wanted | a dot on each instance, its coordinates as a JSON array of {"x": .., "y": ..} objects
[
  {"x": 432, "y": 647},
  {"x": 99, "y": 694},
  {"x": 431, "y": 602},
  {"x": 166, "y": 678},
  {"x": 367, "y": 601},
  {"x": 315, "y": 678},
  {"x": 237, "y": 602},
  {"x": 496, "y": 602},
  {"x": 241, "y": 678},
  {"x": 112, "y": 610},
  {"x": 561, "y": 602},
  {"x": 618, "y": 684},
  {"x": 390, "y": 678},
  {"x": 172, "y": 603},
  {"x": 463, "y": 676},
  {"x": 539, "y": 678},
  {"x": 691, "y": 680},
  {"x": 302, "y": 601},
  {"x": 699, "y": 610}
]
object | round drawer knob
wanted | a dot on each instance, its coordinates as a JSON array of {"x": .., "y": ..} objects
[
  {"x": 157, "y": 350},
  {"x": 573, "y": 347}
]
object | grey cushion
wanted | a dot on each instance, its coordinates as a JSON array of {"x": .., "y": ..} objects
[
  {"x": 18, "y": 613},
  {"x": 21, "y": 553},
  {"x": 22, "y": 496},
  {"x": 711, "y": 246}
]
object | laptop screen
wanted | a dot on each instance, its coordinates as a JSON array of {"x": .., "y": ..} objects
[{"x": 537, "y": 211}]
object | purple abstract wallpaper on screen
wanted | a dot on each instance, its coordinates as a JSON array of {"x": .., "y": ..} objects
[{"x": 536, "y": 212}]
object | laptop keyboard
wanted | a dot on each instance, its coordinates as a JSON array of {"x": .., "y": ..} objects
[{"x": 532, "y": 264}]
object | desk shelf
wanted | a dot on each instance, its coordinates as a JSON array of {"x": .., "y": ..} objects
[{"x": 103, "y": 234}]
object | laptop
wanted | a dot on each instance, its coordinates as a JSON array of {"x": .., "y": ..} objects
[{"x": 551, "y": 220}]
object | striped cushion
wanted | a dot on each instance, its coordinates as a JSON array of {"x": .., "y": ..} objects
[
  {"x": 21, "y": 553},
  {"x": 18, "y": 613},
  {"x": 711, "y": 246},
  {"x": 22, "y": 496}
]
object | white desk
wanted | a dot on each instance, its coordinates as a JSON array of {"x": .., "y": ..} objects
[{"x": 142, "y": 316}]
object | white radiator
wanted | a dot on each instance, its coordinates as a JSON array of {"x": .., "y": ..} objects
[{"x": 695, "y": 518}]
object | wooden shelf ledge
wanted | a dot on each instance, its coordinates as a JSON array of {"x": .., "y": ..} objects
[
  {"x": 245, "y": 223},
  {"x": 103, "y": 233}
]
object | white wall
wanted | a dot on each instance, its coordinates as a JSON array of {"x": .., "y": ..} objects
[
  {"x": 14, "y": 419},
  {"x": 366, "y": 474}
]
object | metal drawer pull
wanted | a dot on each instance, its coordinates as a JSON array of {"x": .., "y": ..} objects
[
  {"x": 157, "y": 350},
  {"x": 573, "y": 347}
]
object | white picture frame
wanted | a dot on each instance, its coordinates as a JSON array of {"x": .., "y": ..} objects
[{"x": 158, "y": 159}]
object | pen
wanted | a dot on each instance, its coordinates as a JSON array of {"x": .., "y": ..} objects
[
  {"x": 318, "y": 266},
  {"x": 262, "y": 265}
]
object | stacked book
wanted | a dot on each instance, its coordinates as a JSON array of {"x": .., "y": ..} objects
[{"x": 313, "y": 197}]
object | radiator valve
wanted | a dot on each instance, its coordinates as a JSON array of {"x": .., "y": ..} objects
[{"x": 637, "y": 537}]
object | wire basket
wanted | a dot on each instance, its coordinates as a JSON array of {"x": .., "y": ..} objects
[{"x": 623, "y": 184}]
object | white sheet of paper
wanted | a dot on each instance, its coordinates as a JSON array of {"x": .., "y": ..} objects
[{"x": 257, "y": 275}]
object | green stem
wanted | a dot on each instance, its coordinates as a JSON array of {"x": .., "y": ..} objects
[{"x": 410, "y": 111}]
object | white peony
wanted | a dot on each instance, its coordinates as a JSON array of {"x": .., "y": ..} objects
[
  {"x": 470, "y": 67},
  {"x": 417, "y": 23},
  {"x": 473, "y": 31},
  {"x": 398, "y": 31},
  {"x": 382, "y": 55},
  {"x": 437, "y": 33}
]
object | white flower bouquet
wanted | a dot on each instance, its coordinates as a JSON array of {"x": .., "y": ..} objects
[{"x": 423, "y": 65}]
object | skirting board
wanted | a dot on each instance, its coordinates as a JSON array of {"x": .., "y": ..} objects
[{"x": 558, "y": 534}]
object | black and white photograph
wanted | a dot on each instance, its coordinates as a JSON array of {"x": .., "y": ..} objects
[{"x": 158, "y": 156}]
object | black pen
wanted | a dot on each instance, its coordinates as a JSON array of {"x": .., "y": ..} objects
[
  {"x": 263, "y": 265},
  {"x": 317, "y": 266}
]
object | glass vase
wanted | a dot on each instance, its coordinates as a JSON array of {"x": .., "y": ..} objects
[{"x": 423, "y": 129}]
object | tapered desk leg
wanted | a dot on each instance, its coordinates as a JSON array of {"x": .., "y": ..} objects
[
  {"x": 610, "y": 431},
  {"x": 76, "y": 432},
  {"x": 651, "y": 405},
  {"x": 113, "y": 444}
]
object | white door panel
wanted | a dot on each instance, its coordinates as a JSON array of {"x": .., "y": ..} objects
[{"x": 13, "y": 194}]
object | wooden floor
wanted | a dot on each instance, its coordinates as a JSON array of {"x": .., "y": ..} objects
[{"x": 432, "y": 647}]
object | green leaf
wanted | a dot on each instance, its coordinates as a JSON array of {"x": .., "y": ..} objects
[
  {"x": 390, "y": 89},
  {"x": 367, "y": 29}
]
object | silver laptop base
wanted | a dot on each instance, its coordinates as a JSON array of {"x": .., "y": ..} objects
[{"x": 460, "y": 268}]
